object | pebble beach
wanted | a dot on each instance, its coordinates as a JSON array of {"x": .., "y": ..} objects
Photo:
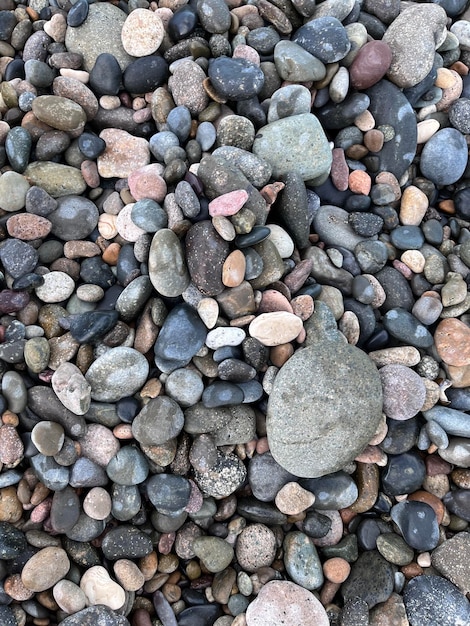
[{"x": 234, "y": 313}]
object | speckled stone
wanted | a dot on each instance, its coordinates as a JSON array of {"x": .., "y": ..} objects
[{"x": 118, "y": 373}]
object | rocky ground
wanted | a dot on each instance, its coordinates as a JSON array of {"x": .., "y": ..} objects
[{"x": 235, "y": 331}]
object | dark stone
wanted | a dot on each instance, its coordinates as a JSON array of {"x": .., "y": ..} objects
[
  {"x": 106, "y": 75},
  {"x": 126, "y": 542},
  {"x": 12, "y": 541},
  {"x": 77, "y": 13},
  {"x": 18, "y": 258},
  {"x": 145, "y": 74},
  {"x": 235, "y": 78},
  {"x": 371, "y": 579},
  {"x": 169, "y": 493},
  {"x": 206, "y": 252},
  {"x": 417, "y": 523},
  {"x": 183, "y": 22},
  {"x": 95, "y": 271},
  {"x": 91, "y": 146},
  {"x": 90, "y": 326},
  {"x": 431, "y": 600}
]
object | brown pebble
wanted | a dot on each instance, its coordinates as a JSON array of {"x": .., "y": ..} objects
[
  {"x": 11, "y": 446},
  {"x": 412, "y": 570},
  {"x": 374, "y": 140},
  {"x": 367, "y": 476},
  {"x": 278, "y": 355},
  {"x": 452, "y": 340},
  {"x": 233, "y": 269},
  {"x": 336, "y": 569},
  {"x": 14, "y": 587},
  {"x": 148, "y": 565},
  {"x": 293, "y": 499},
  {"x": 80, "y": 249},
  {"x": 27, "y": 226},
  {"x": 11, "y": 508},
  {"x": 359, "y": 182}
]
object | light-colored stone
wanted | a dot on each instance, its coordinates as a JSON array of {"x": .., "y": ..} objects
[
  {"x": 274, "y": 329},
  {"x": 142, "y": 32},
  {"x": 57, "y": 287},
  {"x": 99, "y": 588},
  {"x": 45, "y": 568},
  {"x": 72, "y": 389},
  {"x": 293, "y": 499},
  {"x": 123, "y": 154}
]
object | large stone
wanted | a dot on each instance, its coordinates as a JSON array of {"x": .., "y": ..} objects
[
  {"x": 297, "y": 143},
  {"x": 324, "y": 408}
]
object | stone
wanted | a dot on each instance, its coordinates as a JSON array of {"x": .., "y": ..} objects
[
  {"x": 302, "y": 561},
  {"x": 371, "y": 579},
  {"x": 215, "y": 553},
  {"x": 142, "y": 33},
  {"x": 452, "y": 341},
  {"x": 370, "y": 64},
  {"x": 412, "y": 60},
  {"x": 418, "y": 524},
  {"x": 276, "y": 328},
  {"x": 432, "y": 598},
  {"x": 43, "y": 570},
  {"x": 305, "y": 147},
  {"x": 71, "y": 388},
  {"x": 123, "y": 154},
  {"x": 448, "y": 148},
  {"x": 404, "y": 391},
  {"x": 309, "y": 377},
  {"x": 118, "y": 373},
  {"x": 99, "y": 588},
  {"x": 285, "y": 600},
  {"x": 91, "y": 615}
]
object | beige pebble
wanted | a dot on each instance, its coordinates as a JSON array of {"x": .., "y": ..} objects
[
  {"x": 99, "y": 588},
  {"x": 13, "y": 586},
  {"x": 379, "y": 292},
  {"x": 57, "y": 287},
  {"x": 349, "y": 326},
  {"x": 413, "y": 207},
  {"x": 403, "y": 355},
  {"x": 389, "y": 179},
  {"x": 233, "y": 269},
  {"x": 282, "y": 240},
  {"x": 224, "y": 227},
  {"x": 381, "y": 431},
  {"x": 414, "y": 259},
  {"x": 97, "y": 503},
  {"x": 109, "y": 103},
  {"x": 365, "y": 121},
  {"x": 303, "y": 306},
  {"x": 69, "y": 596},
  {"x": 433, "y": 392},
  {"x": 452, "y": 340},
  {"x": 445, "y": 78},
  {"x": 124, "y": 153},
  {"x": 426, "y": 129},
  {"x": 142, "y": 33},
  {"x": 45, "y": 568},
  {"x": 450, "y": 94},
  {"x": 293, "y": 499},
  {"x": 272, "y": 329},
  {"x": 128, "y": 575},
  {"x": 372, "y": 454},
  {"x": 424, "y": 559},
  {"x": 107, "y": 227},
  {"x": 90, "y": 293},
  {"x": 126, "y": 227},
  {"x": 72, "y": 389}
]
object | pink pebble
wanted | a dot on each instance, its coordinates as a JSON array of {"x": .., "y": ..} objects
[
  {"x": 227, "y": 204},
  {"x": 147, "y": 182},
  {"x": 403, "y": 269},
  {"x": 41, "y": 511}
]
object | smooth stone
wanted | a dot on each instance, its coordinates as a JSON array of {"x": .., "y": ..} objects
[
  {"x": 332, "y": 225},
  {"x": 87, "y": 473},
  {"x": 106, "y": 75},
  {"x": 18, "y": 258},
  {"x": 48, "y": 437},
  {"x": 418, "y": 524},
  {"x": 215, "y": 553},
  {"x": 126, "y": 542},
  {"x": 219, "y": 394},
  {"x": 332, "y": 492},
  {"x": 451, "y": 338},
  {"x": 18, "y": 145},
  {"x": 55, "y": 179},
  {"x": 159, "y": 421},
  {"x": 99, "y": 588},
  {"x": 53, "y": 475},
  {"x": 46, "y": 405},
  {"x": 71, "y": 388},
  {"x": 458, "y": 503},
  {"x": 405, "y": 70},
  {"x": 451, "y": 560},
  {"x": 75, "y": 218},
  {"x": 371, "y": 579},
  {"x": 235, "y": 78},
  {"x": 404, "y": 473},
  {"x": 397, "y": 289},
  {"x": 214, "y": 15},
  {"x": 58, "y": 112},
  {"x": 13, "y": 190},
  {"x": 182, "y": 335},
  {"x": 142, "y": 32},
  {"x": 406, "y": 328},
  {"x": 295, "y": 64},
  {"x": 325, "y": 38},
  {"x": 401, "y": 436},
  {"x": 276, "y": 328},
  {"x": 128, "y": 467},
  {"x": 145, "y": 74},
  {"x": 433, "y": 599},
  {"x": 448, "y": 148},
  {"x": 206, "y": 252},
  {"x": 404, "y": 391},
  {"x": 267, "y": 477},
  {"x": 223, "y": 478},
  {"x": 65, "y": 510},
  {"x": 12, "y": 541},
  {"x": 370, "y": 64},
  {"x": 95, "y": 614},
  {"x": 293, "y": 210},
  {"x": 285, "y": 600},
  {"x": 306, "y": 149},
  {"x": 99, "y": 33},
  {"x": 389, "y": 106},
  {"x": 340, "y": 443},
  {"x": 118, "y": 373},
  {"x": 169, "y": 493},
  {"x": 453, "y": 421},
  {"x": 126, "y": 501},
  {"x": 302, "y": 561},
  {"x": 43, "y": 570},
  {"x": 148, "y": 215}
]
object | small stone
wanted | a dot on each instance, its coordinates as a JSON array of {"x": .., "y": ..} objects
[
  {"x": 118, "y": 373},
  {"x": 285, "y": 600},
  {"x": 71, "y": 388},
  {"x": 452, "y": 342},
  {"x": 99, "y": 588},
  {"x": 69, "y": 596},
  {"x": 272, "y": 329},
  {"x": 128, "y": 575},
  {"x": 124, "y": 153},
  {"x": 142, "y": 32},
  {"x": 293, "y": 499},
  {"x": 403, "y": 391},
  {"x": 215, "y": 553},
  {"x": 43, "y": 570}
]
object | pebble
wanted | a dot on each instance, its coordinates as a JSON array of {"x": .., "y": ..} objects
[
  {"x": 286, "y": 401},
  {"x": 256, "y": 547},
  {"x": 432, "y": 593},
  {"x": 286, "y": 600},
  {"x": 417, "y": 523},
  {"x": 215, "y": 553},
  {"x": 99, "y": 588},
  {"x": 43, "y": 570},
  {"x": 118, "y": 373},
  {"x": 142, "y": 33},
  {"x": 449, "y": 148}
]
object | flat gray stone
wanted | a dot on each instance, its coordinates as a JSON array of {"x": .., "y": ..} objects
[
  {"x": 295, "y": 144},
  {"x": 324, "y": 408}
]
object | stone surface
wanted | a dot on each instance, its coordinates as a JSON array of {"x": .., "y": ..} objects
[{"x": 317, "y": 402}]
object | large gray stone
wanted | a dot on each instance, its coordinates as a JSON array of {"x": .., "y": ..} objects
[
  {"x": 324, "y": 408},
  {"x": 295, "y": 144}
]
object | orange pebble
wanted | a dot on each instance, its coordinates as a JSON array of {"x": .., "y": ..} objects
[
  {"x": 447, "y": 206},
  {"x": 359, "y": 182},
  {"x": 123, "y": 431},
  {"x": 412, "y": 570},
  {"x": 336, "y": 569},
  {"x": 280, "y": 354},
  {"x": 460, "y": 68},
  {"x": 9, "y": 418},
  {"x": 110, "y": 255}
]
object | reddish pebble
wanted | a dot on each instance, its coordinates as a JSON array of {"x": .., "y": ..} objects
[
  {"x": 195, "y": 499},
  {"x": 233, "y": 269},
  {"x": 13, "y": 301},
  {"x": 166, "y": 542},
  {"x": 228, "y": 203},
  {"x": 90, "y": 174},
  {"x": 339, "y": 169},
  {"x": 273, "y": 300},
  {"x": 299, "y": 275},
  {"x": 359, "y": 182},
  {"x": 27, "y": 226},
  {"x": 41, "y": 511},
  {"x": 147, "y": 182},
  {"x": 303, "y": 306},
  {"x": 336, "y": 570},
  {"x": 11, "y": 446},
  {"x": 403, "y": 269},
  {"x": 370, "y": 64}
]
